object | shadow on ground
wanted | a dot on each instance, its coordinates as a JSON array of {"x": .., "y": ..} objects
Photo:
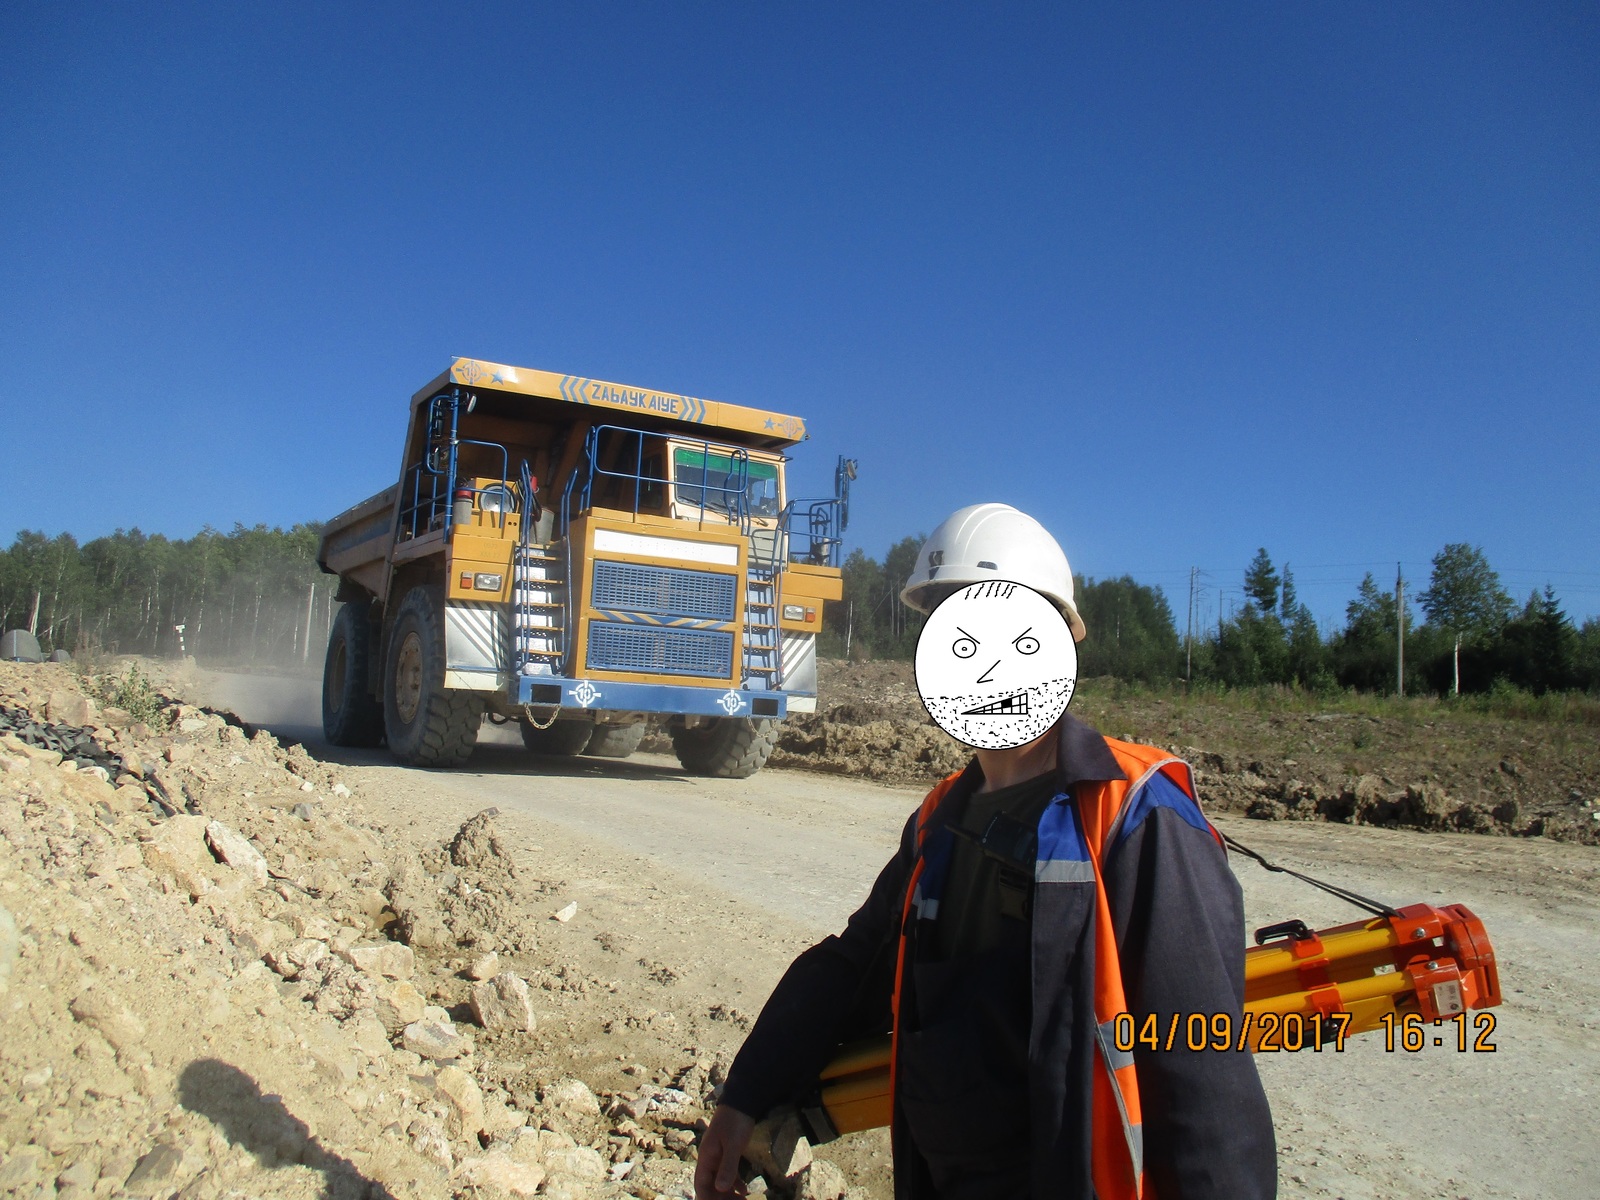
[{"x": 263, "y": 1125}]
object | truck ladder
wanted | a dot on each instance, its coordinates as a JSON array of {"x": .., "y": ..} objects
[
  {"x": 538, "y": 610},
  {"x": 763, "y": 662}
]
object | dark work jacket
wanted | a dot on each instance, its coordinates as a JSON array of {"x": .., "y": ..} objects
[{"x": 1179, "y": 921}]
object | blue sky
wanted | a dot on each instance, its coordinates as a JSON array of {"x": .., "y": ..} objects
[{"x": 1181, "y": 280}]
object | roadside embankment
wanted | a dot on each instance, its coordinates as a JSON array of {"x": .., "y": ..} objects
[
  {"x": 220, "y": 976},
  {"x": 1419, "y": 765}
]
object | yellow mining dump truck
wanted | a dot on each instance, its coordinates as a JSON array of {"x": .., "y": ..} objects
[{"x": 580, "y": 557}]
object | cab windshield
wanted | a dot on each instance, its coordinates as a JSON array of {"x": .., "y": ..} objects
[{"x": 719, "y": 474}]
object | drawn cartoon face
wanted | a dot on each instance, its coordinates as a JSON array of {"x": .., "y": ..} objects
[{"x": 996, "y": 665}]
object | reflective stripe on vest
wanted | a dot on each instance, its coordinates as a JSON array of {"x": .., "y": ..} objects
[{"x": 1117, "y": 1128}]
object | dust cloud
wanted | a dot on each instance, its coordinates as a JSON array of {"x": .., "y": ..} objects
[{"x": 289, "y": 706}]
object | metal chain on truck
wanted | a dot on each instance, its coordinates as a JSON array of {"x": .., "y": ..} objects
[{"x": 555, "y": 711}]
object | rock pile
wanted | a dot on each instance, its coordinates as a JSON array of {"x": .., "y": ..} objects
[{"x": 220, "y": 977}]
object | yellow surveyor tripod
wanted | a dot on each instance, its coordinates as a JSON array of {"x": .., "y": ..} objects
[{"x": 1303, "y": 990}]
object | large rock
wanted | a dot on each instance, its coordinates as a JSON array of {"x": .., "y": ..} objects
[
  {"x": 821, "y": 1181},
  {"x": 464, "y": 1117},
  {"x": 497, "y": 1169},
  {"x": 436, "y": 1039},
  {"x": 500, "y": 1118},
  {"x": 571, "y": 1098},
  {"x": 569, "y": 1106},
  {"x": 428, "y": 1139},
  {"x": 22, "y": 1170},
  {"x": 107, "y": 1015},
  {"x": 177, "y": 847},
  {"x": 398, "y": 1005},
  {"x": 157, "y": 1173},
  {"x": 503, "y": 1004},
  {"x": 570, "y": 1168},
  {"x": 71, "y": 708},
  {"x": 231, "y": 848},
  {"x": 389, "y": 959},
  {"x": 778, "y": 1147},
  {"x": 299, "y": 955},
  {"x": 420, "y": 923}
]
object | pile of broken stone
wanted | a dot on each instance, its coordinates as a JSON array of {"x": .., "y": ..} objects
[{"x": 215, "y": 981}]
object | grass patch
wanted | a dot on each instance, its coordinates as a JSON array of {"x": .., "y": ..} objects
[{"x": 1504, "y": 702}]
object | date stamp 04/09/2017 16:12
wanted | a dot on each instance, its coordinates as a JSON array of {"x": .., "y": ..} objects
[{"x": 1267, "y": 1033}]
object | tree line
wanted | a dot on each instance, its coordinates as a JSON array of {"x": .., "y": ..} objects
[
  {"x": 1472, "y": 636},
  {"x": 256, "y": 595},
  {"x": 252, "y": 595}
]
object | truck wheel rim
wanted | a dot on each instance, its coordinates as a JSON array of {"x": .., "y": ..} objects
[{"x": 408, "y": 678}]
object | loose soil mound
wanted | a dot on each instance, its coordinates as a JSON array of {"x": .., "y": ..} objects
[
  {"x": 220, "y": 977},
  {"x": 1423, "y": 767}
]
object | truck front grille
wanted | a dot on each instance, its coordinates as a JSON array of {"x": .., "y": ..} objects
[
  {"x": 654, "y": 650},
  {"x": 664, "y": 591}
]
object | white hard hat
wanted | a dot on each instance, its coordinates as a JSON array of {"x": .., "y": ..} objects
[{"x": 991, "y": 541}]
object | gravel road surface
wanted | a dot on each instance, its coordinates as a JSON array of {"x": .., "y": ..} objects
[{"x": 792, "y": 853}]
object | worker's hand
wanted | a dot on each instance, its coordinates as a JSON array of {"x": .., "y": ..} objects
[{"x": 716, "y": 1172}]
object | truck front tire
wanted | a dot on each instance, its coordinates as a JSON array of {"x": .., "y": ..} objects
[
  {"x": 564, "y": 737},
  {"x": 350, "y": 716},
  {"x": 427, "y": 725},
  {"x": 615, "y": 741},
  {"x": 728, "y": 748}
]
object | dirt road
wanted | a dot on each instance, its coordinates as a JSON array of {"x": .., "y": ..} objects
[{"x": 732, "y": 877}]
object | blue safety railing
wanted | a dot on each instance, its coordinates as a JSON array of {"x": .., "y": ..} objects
[
  {"x": 730, "y": 497},
  {"x": 429, "y": 487},
  {"x": 811, "y": 530},
  {"x": 530, "y": 503},
  {"x": 818, "y": 525}
]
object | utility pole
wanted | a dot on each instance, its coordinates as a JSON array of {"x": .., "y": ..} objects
[
  {"x": 1400, "y": 629},
  {"x": 1455, "y": 686},
  {"x": 1188, "y": 639}
]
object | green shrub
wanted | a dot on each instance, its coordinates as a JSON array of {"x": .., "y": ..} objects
[{"x": 133, "y": 693}]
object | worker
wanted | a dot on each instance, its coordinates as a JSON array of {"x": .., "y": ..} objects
[{"x": 1062, "y": 878}]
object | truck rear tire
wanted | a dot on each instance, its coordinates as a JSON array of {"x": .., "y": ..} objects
[
  {"x": 350, "y": 716},
  {"x": 615, "y": 741},
  {"x": 728, "y": 748},
  {"x": 563, "y": 738},
  {"x": 427, "y": 725}
]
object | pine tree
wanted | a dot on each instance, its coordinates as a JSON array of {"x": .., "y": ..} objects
[
  {"x": 1540, "y": 647},
  {"x": 1261, "y": 582}
]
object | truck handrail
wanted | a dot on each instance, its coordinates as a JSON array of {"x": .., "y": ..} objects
[
  {"x": 825, "y": 520},
  {"x": 734, "y": 493},
  {"x": 817, "y": 522},
  {"x": 411, "y": 511}
]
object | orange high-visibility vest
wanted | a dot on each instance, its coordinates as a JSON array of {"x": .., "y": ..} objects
[{"x": 1117, "y": 1120}]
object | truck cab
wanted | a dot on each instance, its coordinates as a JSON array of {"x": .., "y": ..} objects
[{"x": 583, "y": 558}]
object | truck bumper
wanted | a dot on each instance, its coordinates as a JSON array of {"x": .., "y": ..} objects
[{"x": 553, "y": 691}]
